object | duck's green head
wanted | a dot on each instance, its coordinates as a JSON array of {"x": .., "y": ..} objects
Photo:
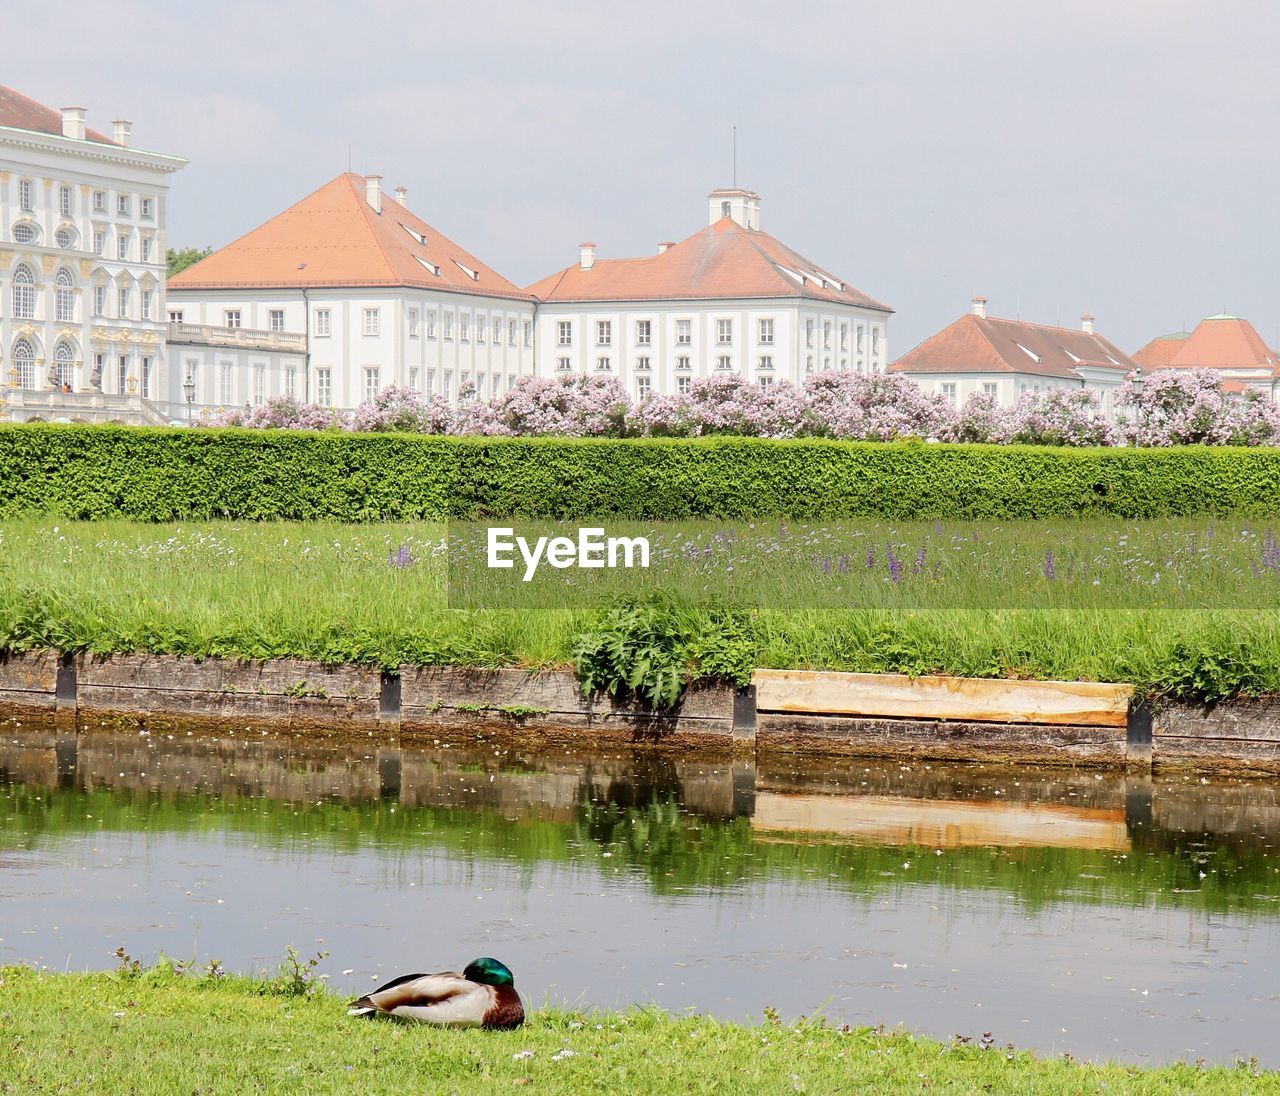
[{"x": 489, "y": 972}]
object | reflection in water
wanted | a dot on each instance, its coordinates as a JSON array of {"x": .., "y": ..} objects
[{"x": 1087, "y": 912}]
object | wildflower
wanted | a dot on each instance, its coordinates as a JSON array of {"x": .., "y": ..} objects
[
  {"x": 895, "y": 567},
  {"x": 402, "y": 557},
  {"x": 1050, "y": 565},
  {"x": 522, "y": 1056}
]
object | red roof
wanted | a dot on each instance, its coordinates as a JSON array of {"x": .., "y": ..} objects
[
  {"x": 980, "y": 344},
  {"x": 333, "y": 237},
  {"x": 1160, "y": 351},
  {"x": 18, "y": 111},
  {"x": 1224, "y": 342},
  {"x": 723, "y": 260}
]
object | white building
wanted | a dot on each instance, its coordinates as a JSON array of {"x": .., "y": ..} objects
[
  {"x": 1003, "y": 359},
  {"x": 82, "y": 267},
  {"x": 730, "y": 298},
  {"x": 359, "y": 294}
]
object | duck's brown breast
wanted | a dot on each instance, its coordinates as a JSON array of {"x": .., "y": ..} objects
[{"x": 507, "y": 1011}]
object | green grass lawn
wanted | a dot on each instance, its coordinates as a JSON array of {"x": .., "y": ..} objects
[
  {"x": 1182, "y": 605},
  {"x": 157, "y": 1032}
]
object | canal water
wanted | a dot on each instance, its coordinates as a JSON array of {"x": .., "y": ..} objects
[{"x": 1105, "y": 916}]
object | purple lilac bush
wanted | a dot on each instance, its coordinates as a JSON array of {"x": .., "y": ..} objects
[{"x": 1168, "y": 407}]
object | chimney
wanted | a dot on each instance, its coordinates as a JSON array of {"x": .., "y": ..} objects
[
  {"x": 402, "y": 195},
  {"x": 373, "y": 191},
  {"x": 664, "y": 245},
  {"x": 121, "y": 132},
  {"x": 587, "y": 255},
  {"x": 73, "y": 123},
  {"x": 1086, "y": 324},
  {"x": 980, "y": 307}
]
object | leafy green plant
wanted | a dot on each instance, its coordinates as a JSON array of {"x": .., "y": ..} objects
[
  {"x": 297, "y": 977},
  {"x": 1211, "y": 670},
  {"x": 634, "y": 649},
  {"x": 522, "y": 711}
]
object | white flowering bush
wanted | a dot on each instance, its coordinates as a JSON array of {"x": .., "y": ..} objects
[
  {"x": 874, "y": 407},
  {"x": 1189, "y": 407}
]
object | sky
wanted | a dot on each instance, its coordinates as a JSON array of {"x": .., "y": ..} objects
[{"x": 1116, "y": 158}]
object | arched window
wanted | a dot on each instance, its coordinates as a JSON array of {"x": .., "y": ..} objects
[
  {"x": 24, "y": 293},
  {"x": 24, "y": 362},
  {"x": 63, "y": 372},
  {"x": 726, "y": 209},
  {"x": 65, "y": 297},
  {"x": 65, "y": 237}
]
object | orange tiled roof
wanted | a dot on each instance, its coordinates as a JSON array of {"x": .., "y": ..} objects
[
  {"x": 1160, "y": 351},
  {"x": 1224, "y": 342},
  {"x": 333, "y": 237},
  {"x": 19, "y": 111},
  {"x": 980, "y": 344},
  {"x": 722, "y": 260}
]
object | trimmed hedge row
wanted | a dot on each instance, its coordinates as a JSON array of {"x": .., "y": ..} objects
[{"x": 167, "y": 473}]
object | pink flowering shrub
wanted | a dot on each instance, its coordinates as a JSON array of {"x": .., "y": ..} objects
[
  {"x": 279, "y": 412},
  {"x": 981, "y": 420},
  {"x": 573, "y": 406},
  {"x": 874, "y": 407},
  {"x": 402, "y": 409},
  {"x": 1062, "y": 416},
  {"x": 1189, "y": 407}
]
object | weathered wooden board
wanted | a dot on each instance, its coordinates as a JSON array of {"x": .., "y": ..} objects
[
  {"x": 854, "y": 736},
  {"x": 29, "y": 679},
  {"x": 1252, "y": 719},
  {"x": 897, "y": 696},
  {"x": 1224, "y": 755},
  {"x": 943, "y": 824}
]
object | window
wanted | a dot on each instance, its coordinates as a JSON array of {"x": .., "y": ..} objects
[
  {"x": 275, "y": 319},
  {"x": 148, "y": 207},
  {"x": 448, "y": 325},
  {"x": 122, "y": 302},
  {"x": 291, "y": 381},
  {"x": 372, "y": 375},
  {"x": 464, "y": 326},
  {"x": 644, "y": 332},
  {"x": 682, "y": 364},
  {"x": 808, "y": 333},
  {"x": 146, "y": 378},
  {"x": 766, "y": 361},
  {"x": 724, "y": 363},
  {"x": 726, "y": 210},
  {"x": 684, "y": 332},
  {"x": 122, "y": 374},
  {"x": 448, "y": 383},
  {"x": 642, "y": 365},
  {"x": 604, "y": 332},
  {"x": 146, "y": 249},
  {"x": 193, "y": 367},
  {"x": 603, "y": 364},
  {"x": 480, "y": 328},
  {"x": 175, "y": 315},
  {"x": 122, "y": 246},
  {"x": 99, "y": 370},
  {"x": 990, "y": 388},
  {"x": 766, "y": 332},
  {"x": 64, "y": 298},
  {"x": 826, "y": 335},
  {"x": 844, "y": 336},
  {"x": 259, "y": 384},
  {"x": 324, "y": 386},
  {"x": 24, "y": 293},
  {"x": 122, "y": 205},
  {"x": 64, "y": 200},
  {"x": 24, "y": 361},
  {"x": 431, "y": 323},
  {"x": 413, "y": 379},
  {"x": 25, "y": 195},
  {"x": 231, "y": 317},
  {"x": 511, "y": 332},
  {"x": 412, "y": 323},
  {"x": 875, "y": 340},
  {"x": 431, "y": 382},
  {"x": 146, "y": 304},
  {"x": 372, "y": 321},
  {"x": 858, "y": 338},
  {"x": 528, "y": 332},
  {"x": 644, "y": 387},
  {"x": 64, "y": 237},
  {"x": 765, "y": 380},
  {"x": 24, "y": 234},
  {"x": 808, "y": 364},
  {"x": 564, "y": 332},
  {"x": 564, "y": 365},
  {"x": 724, "y": 331},
  {"x": 99, "y": 201},
  {"x": 99, "y": 241},
  {"x": 224, "y": 385},
  {"x": 684, "y": 385},
  {"x": 100, "y": 302},
  {"x": 949, "y": 392},
  {"x": 323, "y": 321}
]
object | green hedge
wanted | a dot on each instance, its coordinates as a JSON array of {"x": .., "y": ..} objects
[{"x": 168, "y": 473}]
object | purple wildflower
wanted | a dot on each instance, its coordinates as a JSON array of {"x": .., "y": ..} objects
[
  {"x": 842, "y": 565},
  {"x": 895, "y": 566},
  {"x": 871, "y": 558},
  {"x": 1270, "y": 552},
  {"x": 918, "y": 567},
  {"x": 402, "y": 557},
  {"x": 1050, "y": 565}
]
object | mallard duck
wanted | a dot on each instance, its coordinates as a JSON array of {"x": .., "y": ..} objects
[{"x": 483, "y": 995}]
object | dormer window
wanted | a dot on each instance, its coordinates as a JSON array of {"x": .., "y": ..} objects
[
  {"x": 726, "y": 209},
  {"x": 415, "y": 234},
  {"x": 428, "y": 265},
  {"x": 1030, "y": 354},
  {"x": 472, "y": 274}
]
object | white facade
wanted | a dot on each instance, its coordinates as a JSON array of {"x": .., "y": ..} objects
[
  {"x": 659, "y": 347},
  {"x": 82, "y": 270}
]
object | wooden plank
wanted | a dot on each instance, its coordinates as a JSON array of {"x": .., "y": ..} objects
[
  {"x": 31, "y": 672},
  {"x": 1253, "y": 719},
  {"x": 897, "y": 696}
]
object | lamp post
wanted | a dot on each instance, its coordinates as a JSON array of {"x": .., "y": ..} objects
[{"x": 189, "y": 390}]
